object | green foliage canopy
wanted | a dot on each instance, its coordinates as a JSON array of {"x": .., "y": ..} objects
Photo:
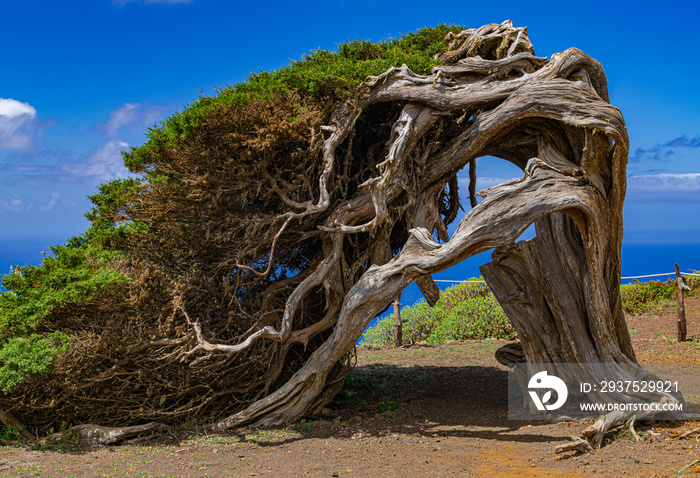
[
  {"x": 68, "y": 279},
  {"x": 325, "y": 76}
]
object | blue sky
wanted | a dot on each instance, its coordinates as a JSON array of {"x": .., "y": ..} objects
[{"x": 80, "y": 81}]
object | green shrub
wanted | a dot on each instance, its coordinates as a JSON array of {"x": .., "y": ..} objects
[
  {"x": 71, "y": 277},
  {"x": 23, "y": 357},
  {"x": 320, "y": 75},
  {"x": 8, "y": 434},
  {"x": 470, "y": 311},
  {"x": 693, "y": 282},
  {"x": 639, "y": 297},
  {"x": 476, "y": 318},
  {"x": 386, "y": 406},
  {"x": 456, "y": 316},
  {"x": 419, "y": 322}
]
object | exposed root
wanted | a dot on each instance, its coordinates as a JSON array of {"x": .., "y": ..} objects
[
  {"x": 577, "y": 444},
  {"x": 11, "y": 422},
  {"x": 510, "y": 354},
  {"x": 97, "y": 435},
  {"x": 632, "y": 430}
]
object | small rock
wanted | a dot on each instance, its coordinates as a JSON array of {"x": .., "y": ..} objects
[{"x": 335, "y": 473}]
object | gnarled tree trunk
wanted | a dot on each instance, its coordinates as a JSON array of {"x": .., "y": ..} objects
[{"x": 491, "y": 97}]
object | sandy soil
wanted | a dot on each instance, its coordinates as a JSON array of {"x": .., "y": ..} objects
[{"x": 421, "y": 411}]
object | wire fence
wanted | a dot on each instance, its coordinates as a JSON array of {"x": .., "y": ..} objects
[
  {"x": 626, "y": 278},
  {"x": 681, "y": 332}
]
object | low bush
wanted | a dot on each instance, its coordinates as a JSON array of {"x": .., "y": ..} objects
[
  {"x": 476, "y": 318},
  {"x": 470, "y": 311},
  {"x": 464, "y": 311},
  {"x": 639, "y": 297},
  {"x": 69, "y": 278}
]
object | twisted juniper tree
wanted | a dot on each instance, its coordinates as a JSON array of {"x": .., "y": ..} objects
[{"x": 273, "y": 222}]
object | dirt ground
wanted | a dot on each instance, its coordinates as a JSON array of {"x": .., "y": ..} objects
[{"x": 433, "y": 411}]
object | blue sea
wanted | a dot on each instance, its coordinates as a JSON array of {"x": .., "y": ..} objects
[
  {"x": 25, "y": 251},
  {"x": 637, "y": 259}
]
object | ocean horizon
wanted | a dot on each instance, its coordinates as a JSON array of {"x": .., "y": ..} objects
[{"x": 638, "y": 259}]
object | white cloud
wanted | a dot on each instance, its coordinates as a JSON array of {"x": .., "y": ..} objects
[
  {"x": 16, "y": 121},
  {"x": 14, "y": 203},
  {"x": 52, "y": 202},
  {"x": 101, "y": 165},
  {"x": 57, "y": 203},
  {"x": 133, "y": 115},
  {"x": 12, "y": 108},
  {"x": 687, "y": 182},
  {"x": 122, "y": 116},
  {"x": 664, "y": 151}
]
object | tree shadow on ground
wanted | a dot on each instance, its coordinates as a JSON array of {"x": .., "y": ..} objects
[
  {"x": 388, "y": 400},
  {"x": 446, "y": 401}
]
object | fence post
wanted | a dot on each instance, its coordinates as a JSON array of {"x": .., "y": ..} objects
[
  {"x": 682, "y": 325},
  {"x": 398, "y": 325}
]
